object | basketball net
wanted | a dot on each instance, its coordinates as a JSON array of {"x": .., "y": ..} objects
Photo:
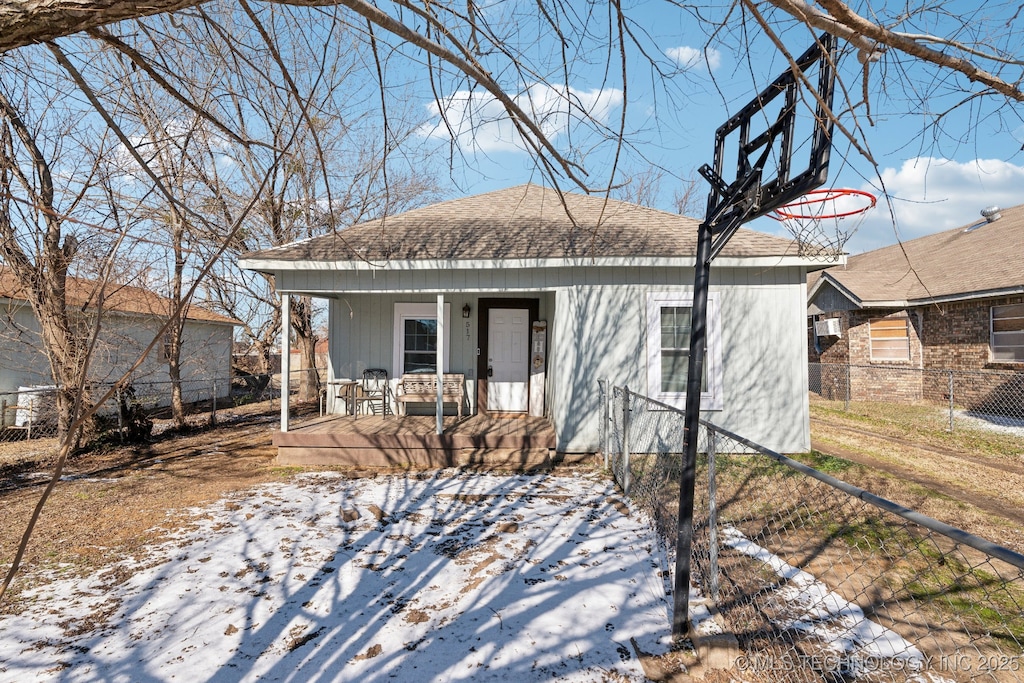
[{"x": 822, "y": 221}]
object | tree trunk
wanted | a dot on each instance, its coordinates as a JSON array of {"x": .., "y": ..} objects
[
  {"x": 305, "y": 340},
  {"x": 45, "y": 280},
  {"x": 64, "y": 353},
  {"x": 172, "y": 344},
  {"x": 173, "y": 350},
  {"x": 309, "y": 383}
]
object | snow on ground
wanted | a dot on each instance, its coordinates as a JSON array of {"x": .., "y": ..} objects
[
  {"x": 1014, "y": 426},
  {"x": 453, "y": 576},
  {"x": 861, "y": 644}
]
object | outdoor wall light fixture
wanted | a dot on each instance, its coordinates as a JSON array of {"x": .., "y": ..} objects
[{"x": 465, "y": 311}]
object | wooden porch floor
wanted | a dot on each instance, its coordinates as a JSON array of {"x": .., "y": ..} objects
[{"x": 410, "y": 441}]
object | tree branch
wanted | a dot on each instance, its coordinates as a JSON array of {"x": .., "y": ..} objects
[{"x": 867, "y": 36}]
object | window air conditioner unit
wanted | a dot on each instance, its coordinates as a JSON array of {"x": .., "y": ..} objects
[{"x": 827, "y": 328}]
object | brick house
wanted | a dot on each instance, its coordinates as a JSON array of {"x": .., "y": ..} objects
[{"x": 952, "y": 301}]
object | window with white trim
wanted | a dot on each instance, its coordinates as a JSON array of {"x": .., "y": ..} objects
[
  {"x": 668, "y": 350},
  {"x": 890, "y": 339},
  {"x": 1007, "y": 338},
  {"x": 415, "y": 338}
]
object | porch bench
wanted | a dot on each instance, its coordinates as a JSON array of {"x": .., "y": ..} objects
[{"x": 422, "y": 388}]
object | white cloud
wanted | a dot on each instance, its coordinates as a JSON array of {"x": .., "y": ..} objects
[
  {"x": 479, "y": 122},
  {"x": 690, "y": 58},
  {"x": 930, "y": 195}
]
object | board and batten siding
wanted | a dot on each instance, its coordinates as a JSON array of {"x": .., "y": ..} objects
[
  {"x": 597, "y": 320},
  {"x": 362, "y": 333},
  {"x": 763, "y": 336}
]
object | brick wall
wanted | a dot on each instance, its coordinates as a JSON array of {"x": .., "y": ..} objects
[
  {"x": 898, "y": 381},
  {"x": 956, "y": 335},
  {"x": 957, "y": 338},
  {"x": 886, "y": 384},
  {"x": 948, "y": 337},
  {"x": 833, "y": 349}
]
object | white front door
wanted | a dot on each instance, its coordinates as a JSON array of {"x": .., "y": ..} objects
[{"x": 508, "y": 346}]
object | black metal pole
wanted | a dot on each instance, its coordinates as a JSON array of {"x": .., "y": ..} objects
[{"x": 691, "y": 421}]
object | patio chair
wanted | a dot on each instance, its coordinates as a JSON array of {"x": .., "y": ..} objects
[{"x": 372, "y": 392}]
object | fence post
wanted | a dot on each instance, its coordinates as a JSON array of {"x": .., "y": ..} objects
[
  {"x": 626, "y": 474},
  {"x": 605, "y": 419},
  {"x": 950, "y": 400},
  {"x": 120, "y": 414},
  {"x": 846, "y": 402},
  {"x": 712, "y": 518},
  {"x": 213, "y": 400},
  {"x": 31, "y": 414}
]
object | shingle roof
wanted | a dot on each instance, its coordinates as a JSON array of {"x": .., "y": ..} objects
[
  {"x": 967, "y": 261},
  {"x": 83, "y": 294},
  {"x": 523, "y": 222}
]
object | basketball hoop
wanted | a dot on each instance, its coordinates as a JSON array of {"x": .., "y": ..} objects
[{"x": 823, "y": 220}]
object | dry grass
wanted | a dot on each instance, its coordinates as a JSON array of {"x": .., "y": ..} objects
[
  {"x": 942, "y": 475},
  {"x": 116, "y": 501},
  {"x": 924, "y": 424}
]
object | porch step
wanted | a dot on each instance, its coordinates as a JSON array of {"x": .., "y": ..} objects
[
  {"x": 416, "y": 458},
  {"x": 503, "y": 458},
  {"x": 411, "y": 442}
]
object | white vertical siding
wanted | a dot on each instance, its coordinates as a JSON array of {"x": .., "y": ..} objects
[
  {"x": 602, "y": 334},
  {"x": 366, "y": 338},
  {"x": 205, "y": 355}
]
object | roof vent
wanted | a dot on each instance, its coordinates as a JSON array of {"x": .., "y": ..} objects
[{"x": 991, "y": 213}]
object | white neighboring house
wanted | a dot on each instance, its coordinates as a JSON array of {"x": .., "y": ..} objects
[
  {"x": 132, "y": 317},
  {"x": 613, "y": 281}
]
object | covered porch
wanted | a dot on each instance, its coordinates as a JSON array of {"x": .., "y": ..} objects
[{"x": 412, "y": 442}]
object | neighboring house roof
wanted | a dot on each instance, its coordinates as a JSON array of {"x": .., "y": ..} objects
[
  {"x": 84, "y": 294},
  {"x": 527, "y": 222},
  {"x": 981, "y": 259}
]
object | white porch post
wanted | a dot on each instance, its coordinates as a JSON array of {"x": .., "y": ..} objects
[
  {"x": 286, "y": 357},
  {"x": 440, "y": 363}
]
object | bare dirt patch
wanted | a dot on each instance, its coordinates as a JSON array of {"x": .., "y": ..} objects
[{"x": 114, "y": 501}]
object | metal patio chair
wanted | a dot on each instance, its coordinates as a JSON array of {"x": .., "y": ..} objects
[{"x": 372, "y": 392}]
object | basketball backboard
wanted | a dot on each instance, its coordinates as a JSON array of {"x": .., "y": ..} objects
[
  {"x": 772, "y": 151},
  {"x": 776, "y": 148}
]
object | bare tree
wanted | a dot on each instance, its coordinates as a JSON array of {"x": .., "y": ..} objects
[
  {"x": 336, "y": 173},
  {"x": 35, "y": 244},
  {"x": 166, "y": 140},
  {"x": 689, "y": 197},
  {"x": 980, "y": 46},
  {"x": 492, "y": 56}
]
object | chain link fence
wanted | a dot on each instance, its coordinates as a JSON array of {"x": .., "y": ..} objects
[
  {"x": 28, "y": 414},
  {"x": 31, "y": 413},
  {"x": 979, "y": 399},
  {"x": 817, "y": 579}
]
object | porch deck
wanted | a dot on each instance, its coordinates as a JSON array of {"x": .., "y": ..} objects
[{"x": 410, "y": 441}]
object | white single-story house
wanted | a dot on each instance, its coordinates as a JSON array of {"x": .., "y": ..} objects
[
  {"x": 542, "y": 294},
  {"x": 132, "y": 317}
]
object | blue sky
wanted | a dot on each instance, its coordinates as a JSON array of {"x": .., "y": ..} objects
[{"x": 935, "y": 179}]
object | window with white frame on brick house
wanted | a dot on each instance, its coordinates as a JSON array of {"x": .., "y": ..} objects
[
  {"x": 890, "y": 339},
  {"x": 1007, "y": 339}
]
